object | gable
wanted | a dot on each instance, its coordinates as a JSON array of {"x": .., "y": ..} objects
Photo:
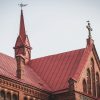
[
  {"x": 92, "y": 65},
  {"x": 96, "y": 56}
]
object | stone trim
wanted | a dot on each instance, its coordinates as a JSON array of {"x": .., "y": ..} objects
[{"x": 28, "y": 91}]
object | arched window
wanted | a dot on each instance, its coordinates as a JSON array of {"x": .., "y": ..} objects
[
  {"x": 93, "y": 78},
  {"x": 97, "y": 85},
  {"x": 8, "y": 96},
  {"x": 30, "y": 99},
  {"x": 15, "y": 97},
  {"x": 25, "y": 98},
  {"x": 2, "y": 95},
  {"x": 88, "y": 82},
  {"x": 84, "y": 86}
]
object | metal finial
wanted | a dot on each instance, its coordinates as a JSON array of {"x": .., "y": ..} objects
[
  {"x": 89, "y": 29},
  {"x": 22, "y": 5}
]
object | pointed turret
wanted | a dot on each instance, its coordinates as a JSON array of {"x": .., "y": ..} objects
[
  {"x": 22, "y": 32},
  {"x": 22, "y": 46}
]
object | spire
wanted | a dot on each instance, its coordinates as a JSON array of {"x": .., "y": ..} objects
[
  {"x": 22, "y": 48},
  {"x": 89, "y": 40},
  {"x": 22, "y": 32},
  {"x": 22, "y": 45}
]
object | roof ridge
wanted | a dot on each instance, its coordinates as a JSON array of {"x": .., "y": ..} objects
[
  {"x": 57, "y": 54},
  {"x": 85, "y": 53},
  {"x": 6, "y": 55}
]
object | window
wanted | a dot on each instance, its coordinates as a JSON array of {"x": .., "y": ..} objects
[
  {"x": 2, "y": 95},
  {"x": 88, "y": 82},
  {"x": 31, "y": 99},
  {"x": 97, "y": 85},
  {"x": 84, "y": 86},
  {"x": 8, "y": 96},
  {"x": 93, "y": 78},
  {"x": 25, "y": 98},
  {"x": 15, "y": 97}
]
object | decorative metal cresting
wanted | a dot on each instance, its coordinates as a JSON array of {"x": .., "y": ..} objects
[
  {"x": 22, "y": 5},
  {"x": 89, "y": 29}
]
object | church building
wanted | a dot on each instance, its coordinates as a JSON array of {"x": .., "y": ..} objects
[{"x": 72, "y": 75}]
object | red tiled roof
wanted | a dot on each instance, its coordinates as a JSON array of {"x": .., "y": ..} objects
[
  {"x": 56, "y": 70},
  {"x": 8, "y": 69}
]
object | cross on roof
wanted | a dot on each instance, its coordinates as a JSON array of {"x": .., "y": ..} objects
[{"x": 89, "y": 29}]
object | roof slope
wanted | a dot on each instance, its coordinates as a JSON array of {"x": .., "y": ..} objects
[
  {"x": 8, "y": 69},
  {"x": 56, "y": 70},
  {"x": 49, "y": 73}
]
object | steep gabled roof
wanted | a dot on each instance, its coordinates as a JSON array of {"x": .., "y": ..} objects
[
  {"x": 82, "y": 62},
  {"x": 52, "y": 72},
  {"x": 8, "y": 68},
  {"x": 56, "y": 70},
  {"x": 49, "y": 73},
  {"x": 89, "y": 48}
]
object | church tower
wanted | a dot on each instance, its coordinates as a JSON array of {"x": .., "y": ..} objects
[{"x": 22, "y": 48}]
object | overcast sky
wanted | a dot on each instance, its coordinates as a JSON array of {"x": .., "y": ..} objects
[{"x": 53, "y": 26}]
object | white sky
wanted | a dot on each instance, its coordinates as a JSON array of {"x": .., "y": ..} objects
[{"x": 53, "y": 26}]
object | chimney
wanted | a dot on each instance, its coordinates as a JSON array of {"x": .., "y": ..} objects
[{"x": 20, "y": 66}]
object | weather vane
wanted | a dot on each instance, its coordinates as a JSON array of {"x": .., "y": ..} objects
[
  {"x": 89, "y": 28},
  {"x": 22, "y": 5}
]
